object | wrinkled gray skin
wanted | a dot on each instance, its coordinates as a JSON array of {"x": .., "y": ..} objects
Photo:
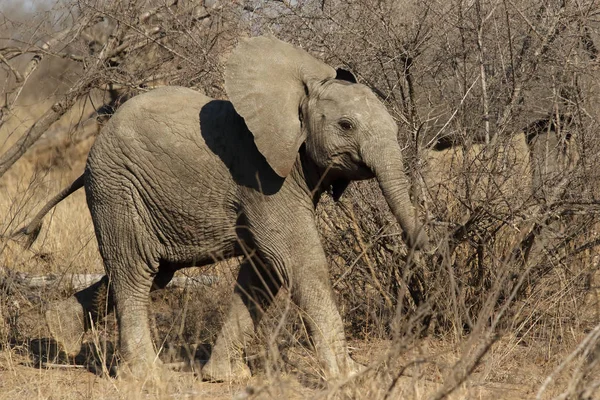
[{"x": 177, "y": 179}]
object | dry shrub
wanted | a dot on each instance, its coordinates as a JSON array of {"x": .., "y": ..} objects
[{"x": 460, "y": 180}]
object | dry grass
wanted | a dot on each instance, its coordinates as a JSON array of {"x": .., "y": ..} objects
[{"x": 68, "y": 242}]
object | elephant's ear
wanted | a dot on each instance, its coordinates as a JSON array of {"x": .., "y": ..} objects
[
  {"x": 266, "y": 80},
  {"x": 345, "y": 75}
]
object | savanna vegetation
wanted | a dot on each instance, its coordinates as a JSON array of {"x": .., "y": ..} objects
[{"x": 497, "y": 103}]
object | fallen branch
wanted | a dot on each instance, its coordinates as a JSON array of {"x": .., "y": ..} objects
[{"x": 78, "y": 282}]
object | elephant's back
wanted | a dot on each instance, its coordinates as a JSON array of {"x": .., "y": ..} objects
[
  {"x": 163, "y": 101},
  {"x": 157, "y": 128},
  {"x": 165, "y": 113}
]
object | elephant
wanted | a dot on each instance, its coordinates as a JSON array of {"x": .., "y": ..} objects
[
  {"x": 177, "y": 179},
  {"x": 461, "y": 178}
]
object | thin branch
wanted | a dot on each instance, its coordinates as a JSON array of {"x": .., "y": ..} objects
[
  {"x": 483, "y": 77},
  {"x": 590, "y": 340},
  {"x": 53, "y": 114},
  {"x": 143, "y": 33},
  {"x": 16, "y": 73}
]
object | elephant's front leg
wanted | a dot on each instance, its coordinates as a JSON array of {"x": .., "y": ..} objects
[
  {"x": 311, "y": 291},
  {"x": 292, "y": 245},
  {"x": 255, "y": 289}
]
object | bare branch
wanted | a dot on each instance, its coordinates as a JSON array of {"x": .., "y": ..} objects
[
  {"x": 13, "y": 95},
  {"x": 37, "y": 130},
  {"x": 16, "y": 73},
  {"x": 59, "y": 108}
]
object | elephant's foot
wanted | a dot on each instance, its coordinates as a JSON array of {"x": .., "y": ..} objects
[
  {"x": 65, "y": 320},
  {"x": 353, "y": 368},
  {"x": 344, "y": 369},
  {"x": 225, "y": 370},
  {"x": 143, "y": 370},
  {"x": 349, "y": 371},
  {"x": 154, "y": 377}
]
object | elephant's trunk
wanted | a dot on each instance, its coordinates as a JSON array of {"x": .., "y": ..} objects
[{"x": 384, "y": 158}]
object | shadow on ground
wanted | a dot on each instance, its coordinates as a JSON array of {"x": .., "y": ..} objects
[{"x": 101, "y": 358}]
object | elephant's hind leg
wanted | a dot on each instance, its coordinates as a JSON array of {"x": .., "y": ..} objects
[
  {"x": 130, "y": 284},
  {"x": 131, "y": 256},
  {"x": 68, "y": 320}
]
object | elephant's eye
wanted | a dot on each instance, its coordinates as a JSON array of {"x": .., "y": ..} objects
[{"x": 345, "y": 125}]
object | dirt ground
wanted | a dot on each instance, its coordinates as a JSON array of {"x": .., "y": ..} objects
[{"x": 20, "y": 378}]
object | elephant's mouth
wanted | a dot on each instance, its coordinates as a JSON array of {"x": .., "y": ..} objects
[
  {"x": 350, "y": 167},
  {"x": 363, "y": 171}
]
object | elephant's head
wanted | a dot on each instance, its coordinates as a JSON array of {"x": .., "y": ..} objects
[{"x": 287, "y": 98}]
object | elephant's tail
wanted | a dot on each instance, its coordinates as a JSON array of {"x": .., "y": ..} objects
[{"x": 31, "y": 231}]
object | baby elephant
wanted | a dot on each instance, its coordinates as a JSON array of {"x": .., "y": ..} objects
[{"x": 177, "y": 179}]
